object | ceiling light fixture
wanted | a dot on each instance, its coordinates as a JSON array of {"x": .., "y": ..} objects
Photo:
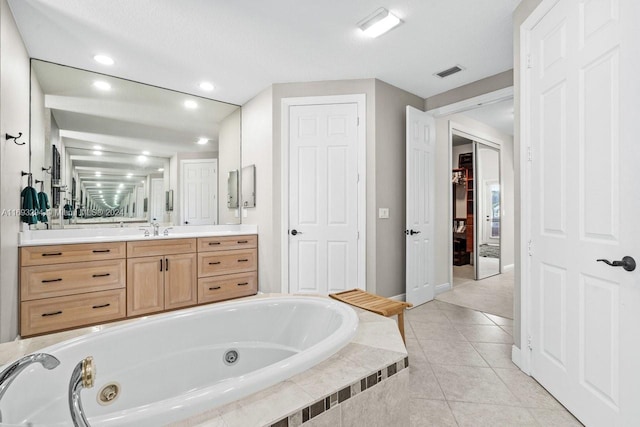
[
  {"x": 202, "y": 141},
  {"x": 98, "y": 173},
  {"x": 98, "y": 185},
  {"x": 102, "y": 85},
  {"x": 129, "y": 175},
  {"x": 160, "y": 170},
  {"x": 206, "y": 86},
  {"x": 97, "y": 153},
  {"x": 104, "y": 59},
  {"x": 97, "y": 147},
  {"x": 379, "y": 22},
  {"x": 192, "y": 105},
  {"x": 145, "y": 153},
  {"x": 142, "y": 159}
]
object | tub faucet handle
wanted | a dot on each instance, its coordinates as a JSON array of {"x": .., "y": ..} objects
[{"x": 83, "y": 376}]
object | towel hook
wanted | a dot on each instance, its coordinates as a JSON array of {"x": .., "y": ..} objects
[
  {"x": 15, "y": 138},
  {"x": 47, "y": 170},
  {"x": 30, "y": 179}
]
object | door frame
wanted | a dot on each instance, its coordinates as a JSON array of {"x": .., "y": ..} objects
[
  {"x": 182, "y": 192},
  {"x": 360, "y": 100}
]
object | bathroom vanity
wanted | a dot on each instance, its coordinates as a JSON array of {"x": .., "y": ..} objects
[{"x": 69, "y": 280}]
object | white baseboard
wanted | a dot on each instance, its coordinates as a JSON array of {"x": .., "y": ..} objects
[
  {"x": 508, "y": 267},
  {"x": 401, "y": 297},
  {"x": 515, "y": 356},
  {"x": 444, "y": 287}
]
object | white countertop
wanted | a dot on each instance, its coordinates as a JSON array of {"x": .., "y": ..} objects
[{"x": 94, "y": 235}]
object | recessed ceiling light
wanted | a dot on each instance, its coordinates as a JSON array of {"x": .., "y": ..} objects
[
  {"x": 190, "y": 104},
  {"x": 102, "y": 85},
  {"x": 98, "y": 173},
  {"x": 142, "y": 181},
  {"x": 145, "y": 153},
  {"x": 206, "y": 86},
  {"x": 142, "y": 159},
  {"x": 100, "y": 192},
  {"x": 159, "y": 170},
  {"x": 104, "y": 59},
  {"x": 97, "y": 147},
  {"x": 203, "y": 141},
  {"x": 98, "y": 185},
  {"x": 97, "y": 153},
  {"x": 121, "y": 185},
  {"x": 379, "y": 22},
  {"x": 117, "y": 192}
]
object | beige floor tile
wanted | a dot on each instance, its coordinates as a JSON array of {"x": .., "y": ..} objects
[
  {"x": 452, "y": 353},
  {"x": 499, "y": 320},
  {"x": 473, "y": 384},
  {"x": 484, "y": 415},
  {"x": 484, "y": 333},
  {"x": 468, "y": 316},
  {"x": 554, "y": 417},
  {"x": 497, "y": 355},
  {"x": 433, "y": 316},
  {"x": 423, "y": 383},
  {"x": 436, "y": 331},
  {"x": 431, "y": 413},
  {"x": 415, "y": 351},
  {"x": 527, "y": 390}
]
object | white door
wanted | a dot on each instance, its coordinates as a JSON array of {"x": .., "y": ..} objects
[
  {"x": 158, "y": 200},
  {"x": 199, "y": 192},
  {"x": 585, "y": 315},
  {"x": 323, "y": 198},
  {"x": 420, "y": 189}
]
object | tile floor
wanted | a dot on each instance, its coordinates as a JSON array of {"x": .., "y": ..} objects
[
  {"x": 462, "y": 374},
  {"x": 491, "y": 295}
]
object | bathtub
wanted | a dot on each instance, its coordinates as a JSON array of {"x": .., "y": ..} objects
[{"x": 173, "y": 365}]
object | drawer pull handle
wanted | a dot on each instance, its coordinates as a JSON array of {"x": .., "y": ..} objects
[
  {"x": 102, "y": 305},
  {"x": 102, "y": 275},
  {"x": 53, "y": 254},
  {"x": 243, "y": 284},
  {"x": 52, "y": 280},
  {"x": 213, "y": 243},
  {"x": 242, "y": 241},
  {"x": 55, "y": 313},
  {"x": 243, "y": 260},
  {"x": 101, "y": 251},
  {"x": 214, "y": 288},
  {"x": 214, "y": 263}
]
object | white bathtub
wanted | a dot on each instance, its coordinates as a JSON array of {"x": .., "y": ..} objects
[{"x": 171, "y": 366}]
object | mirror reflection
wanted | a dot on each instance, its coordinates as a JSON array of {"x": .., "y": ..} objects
[{"x": 108, "y": 150}]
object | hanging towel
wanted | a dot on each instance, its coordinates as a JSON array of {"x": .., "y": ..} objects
[
  {"x": 43, "y": 202},
  {"x": 68, "y": 211},
  {"x": 30, "y": 207}
]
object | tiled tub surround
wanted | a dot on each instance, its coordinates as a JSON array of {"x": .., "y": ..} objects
[{"x": 376, "y": 347}]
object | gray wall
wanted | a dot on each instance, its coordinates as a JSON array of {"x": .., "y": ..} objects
[
  {"x": 389, "y": 175},
  {"x": 229, "y": 141},
  {"x": 14, "y": 118},
  {"x": 479, "y": 87}
]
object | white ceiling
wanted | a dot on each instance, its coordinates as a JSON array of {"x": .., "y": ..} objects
[
  {"x": 244, "y": 46},
  {"x": 498, "y": 115}
]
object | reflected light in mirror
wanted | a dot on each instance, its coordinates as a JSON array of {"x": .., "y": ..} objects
[
  {"x": 101, "y": 85},
  {"x": 202, "y": 141},
  {"x": 190, "y": 104},
  {"x": 104, "y": 59},
  {"x": 206, "y": 86}
]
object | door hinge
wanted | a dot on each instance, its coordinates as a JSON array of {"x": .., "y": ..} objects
[
  {"x": 529, "y": 343},
  {"x": 529, "y": 155},
  {"x": 529, "y": 61},
  {"x": 358, "y": 235},
  {"x": 529, "y": 249},
  {"x": 358, "y": 177}
]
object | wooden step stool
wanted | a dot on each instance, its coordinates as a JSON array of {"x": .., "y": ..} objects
[{"x": 376, "y": 304}]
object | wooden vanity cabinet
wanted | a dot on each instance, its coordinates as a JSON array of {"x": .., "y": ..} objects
[
  {"x": 163, "y": 281},
  {"x": 227, "y": 267},
  {"x": 66, "y": 286}
]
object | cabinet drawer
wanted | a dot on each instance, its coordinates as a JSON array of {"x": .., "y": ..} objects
[
  {"x": 45, "y": 281},
  {"x": 218, "y": 288},
  {"x": 226, "y": 262},
  {"x": 53, "y": 314},
  {"x": 140, "y": 248},
  {"x": 58, "y": 254},
  {"x": 207, "y": 244}
]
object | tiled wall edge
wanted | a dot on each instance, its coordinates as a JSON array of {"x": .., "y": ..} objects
[{"x": 307, "y": 413}]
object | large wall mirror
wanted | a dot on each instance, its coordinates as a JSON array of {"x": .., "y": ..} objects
[{"x": 111, "y": 151}]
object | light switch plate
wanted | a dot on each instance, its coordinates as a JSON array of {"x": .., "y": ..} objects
[{"x": 383, "y": 213}]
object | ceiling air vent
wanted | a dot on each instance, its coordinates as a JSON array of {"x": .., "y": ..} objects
[{"x": 449, "y": 71}]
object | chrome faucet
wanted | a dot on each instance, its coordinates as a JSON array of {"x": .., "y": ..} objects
[
  {"x": 12, "y": 371},
  {"x": 156, "y": 228},
  {"x": 83, "y": 376}
]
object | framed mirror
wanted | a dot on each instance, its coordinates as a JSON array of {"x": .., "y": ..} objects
[
  {"x": 122, "y": 146},
  {"x": 249, "y": 186}
]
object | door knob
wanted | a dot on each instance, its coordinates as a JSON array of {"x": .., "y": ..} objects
[
  {"x": 411, "y": 232},
  {"x": 628, "y": 263},
  {"x": 295, "y": 232}
]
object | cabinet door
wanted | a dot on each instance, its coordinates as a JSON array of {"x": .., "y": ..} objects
[
  {"x": 145, "y": 285},
  {"x": 180, "y": 281}
]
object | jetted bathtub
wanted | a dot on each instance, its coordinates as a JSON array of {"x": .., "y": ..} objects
[{"x": 182, "y": 363}]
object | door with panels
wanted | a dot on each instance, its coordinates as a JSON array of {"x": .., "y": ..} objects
[
  {"x": 580, "y": 108},
  {"x": 323, "y": 198}
]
